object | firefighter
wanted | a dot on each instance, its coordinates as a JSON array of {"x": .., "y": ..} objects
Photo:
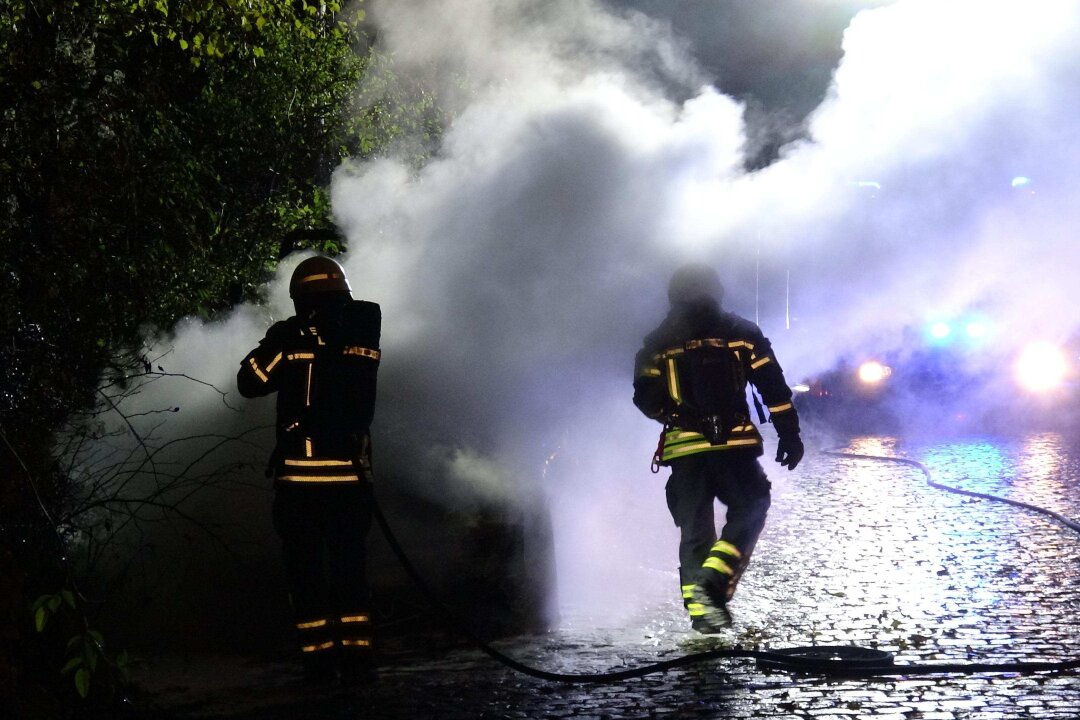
[
  {"x": 691, "y": 376},
  {"x": 322, "y": 363}
]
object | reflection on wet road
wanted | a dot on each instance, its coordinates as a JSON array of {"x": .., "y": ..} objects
[{"x": 856, "y": 552}]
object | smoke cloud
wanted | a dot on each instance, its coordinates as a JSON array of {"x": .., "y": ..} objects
[
  {"x": 589, "y": 156},
  {"x": 521, "y": 267}
]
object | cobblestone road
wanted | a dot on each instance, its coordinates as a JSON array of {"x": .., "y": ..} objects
[{"x": 856, "y": 553}]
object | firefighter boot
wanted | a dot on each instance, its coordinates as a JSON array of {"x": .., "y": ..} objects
[
  {"x": 316, "y": 643},
  {"x": 319, "y": 666},
  {"x": 703, "y": 613},
  {"x": 358, "y": 665},
  {"x": 715, "y": 586},
  {"x": 359, "y": 668},
  {"x": 708, "y": 610}
]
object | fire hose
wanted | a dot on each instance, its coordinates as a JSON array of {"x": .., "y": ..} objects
[{"x": 827, "y": 660}]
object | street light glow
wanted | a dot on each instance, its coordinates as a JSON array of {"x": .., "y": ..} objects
[{"x": 1041, "y": 367}]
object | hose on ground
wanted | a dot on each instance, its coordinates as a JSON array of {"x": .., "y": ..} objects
[{"x": 831, "y": 661}]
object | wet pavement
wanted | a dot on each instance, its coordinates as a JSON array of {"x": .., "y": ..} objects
[{"x": 856, "y": 553}]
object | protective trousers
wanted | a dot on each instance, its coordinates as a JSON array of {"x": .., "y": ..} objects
[
  {"x": 697, "y": 481},
  {"x": 323, "y": 530}
]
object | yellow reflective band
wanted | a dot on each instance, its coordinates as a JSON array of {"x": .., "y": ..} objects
[
  {"x": 355, "y": 619},
  {"x": 676, "y": 442},
  {"x": 359, "y": 642},
  {"x": 741, "y": 343},
  {"x": 687, "y": 450},
  {"x": 673, "y": 381},
  {"x": 651, "y": 372},
  {"x": 307, "y": 447},
  {"x": 696, "y": 609},
  {"x": 723, "y": 546},
  {"x": 695, "y": 438},
  {"x": 319, "y": 463},
  {"x": 362, "y": 352},
  {"x": 317, "y": 648},
  {"x": 679, "y": 443},
  {"x": 669, "y": 353},
  {"x": 759, "y": 363},
  {"x": 675, "y": 435},
  {"x": 275, "y": 361},
  {"x": 715, "y": 563},
  {"x": 307, "y": 395},
  {"x": 301, "y": 356},
  {"x": 311, "y": 624},
  {"x": 318, "y": 478},
  {"x": 780, "y": 408},
  {"x": 687, "y": 591},
  {"x": 707, "y": 342},
  {"x": 320, "y": 276},
  {"x": 255, "y": 367}
]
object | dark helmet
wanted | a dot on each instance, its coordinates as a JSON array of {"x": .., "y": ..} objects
[
  {"x": 318, "y": 276},
  {"x": 693, "y": 283}
]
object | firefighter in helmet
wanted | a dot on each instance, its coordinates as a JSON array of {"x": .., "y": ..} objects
[
  {"x": 322, "y": 363},
  {"x": 691, "y": 376}
]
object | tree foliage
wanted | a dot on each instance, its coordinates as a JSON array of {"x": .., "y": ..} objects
[{"x": 157, "y": 158}]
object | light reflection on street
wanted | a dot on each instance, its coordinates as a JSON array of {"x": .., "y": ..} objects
[
  {"x": 885, "y": 559},
  {"x": 867, "y": 553},
  {"x": 1041, "y": 458},
  {"x": 856, "y": 552}
]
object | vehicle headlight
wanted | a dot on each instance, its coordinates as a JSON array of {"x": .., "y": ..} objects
[
  {"x": 1041, "y": 367},
  {"x": 940, "y": 330},
  {"x": 873, "y": 372}
]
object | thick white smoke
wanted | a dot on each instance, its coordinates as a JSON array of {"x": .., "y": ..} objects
[{"x": 519, "y": 269}]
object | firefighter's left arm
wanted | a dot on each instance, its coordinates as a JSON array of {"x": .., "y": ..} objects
[
  {"x": 768, "y": 377},
  {"x": 259, "y": 371},
  {"x": 650, "y": 387}
]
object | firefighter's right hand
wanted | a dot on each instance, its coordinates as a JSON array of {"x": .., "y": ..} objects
[{"x": 789, "y": 450}]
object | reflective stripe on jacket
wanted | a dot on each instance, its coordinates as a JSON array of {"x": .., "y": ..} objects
[
  {"x": 656, "y": 385},
  {"x": 325, "y": 380}
]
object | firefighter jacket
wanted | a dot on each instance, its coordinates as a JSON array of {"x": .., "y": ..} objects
[
  {"x": 740, "y": 353},
  {"x": 324, "y": 372}
]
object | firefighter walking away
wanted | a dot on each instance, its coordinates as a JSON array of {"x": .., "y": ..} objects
[
  {"x": 322, "y": 363},
  {"x": 691, "y": 376}
]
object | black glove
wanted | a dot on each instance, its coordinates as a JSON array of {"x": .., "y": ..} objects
[
  {"x": 789, "y": 450},
  {"x": 285, "y": 331}
]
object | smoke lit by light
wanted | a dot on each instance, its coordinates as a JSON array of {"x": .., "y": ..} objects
[
  {"x": 976, "y": 329},
  {"x": 589, "y": 155},
  {"x": 940, "y": 330},
  {"x": 872, "y": 372}
]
